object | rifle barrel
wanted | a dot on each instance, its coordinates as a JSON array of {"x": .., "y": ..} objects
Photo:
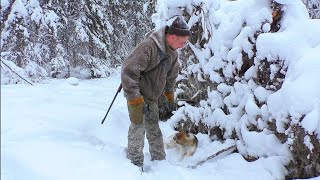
[{"x": 114, "y": 98}]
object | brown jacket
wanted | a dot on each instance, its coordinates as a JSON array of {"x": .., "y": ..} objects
[{"x": 145, "y": 73}]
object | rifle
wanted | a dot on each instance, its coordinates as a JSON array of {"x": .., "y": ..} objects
[{"x": 119, "y": 89}]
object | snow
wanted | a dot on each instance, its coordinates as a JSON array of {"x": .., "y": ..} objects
[
  {"x": 294, "y": 97},
  {"x": 19, "y": 8},
  {"x": 223, "y": 88},
  {"x": 251, "y": 108},
  {"x": 145, "y": 7},
  {"x": 261, "y": 145},
  {"x": 18, "y": 11},
  {"x": 4, "y": 4},
  {"x": 73, "y": 81},
  {"x": 310, "y": 122},
  {"x": 57, "y": 134},
  {"x": 261, "y": 94}
]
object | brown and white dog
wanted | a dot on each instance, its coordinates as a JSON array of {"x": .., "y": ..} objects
[{"x": 185, "y": 142}]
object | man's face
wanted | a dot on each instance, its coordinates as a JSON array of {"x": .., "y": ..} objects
[{"x": 178, "y": 41}]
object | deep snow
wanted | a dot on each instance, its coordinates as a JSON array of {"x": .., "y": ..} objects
[{"x": 54, "y": 131}]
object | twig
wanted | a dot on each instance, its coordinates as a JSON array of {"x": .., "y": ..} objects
[
  {"x": 16, "y": 73},
  {"x": 213, "y": 156}
]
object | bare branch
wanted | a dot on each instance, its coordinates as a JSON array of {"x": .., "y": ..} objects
[
  {"x": 231, "y": 149},
  {"x": 16, "y": 73}
]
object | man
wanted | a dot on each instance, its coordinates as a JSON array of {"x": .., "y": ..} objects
[{"x": 149, "y": 71}]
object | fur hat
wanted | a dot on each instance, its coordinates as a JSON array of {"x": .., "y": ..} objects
[{"x": 179, "y": 27}]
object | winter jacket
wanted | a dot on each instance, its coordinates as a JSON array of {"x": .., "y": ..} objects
[{"x": 151, "y": 68}]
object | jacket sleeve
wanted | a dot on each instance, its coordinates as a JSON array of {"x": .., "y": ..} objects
[
  {"x": 131, "y": 69},
  {"x": 172, "y": 76}
]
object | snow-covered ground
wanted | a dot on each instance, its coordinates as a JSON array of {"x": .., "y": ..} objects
[{"x": 53, "y": 131}]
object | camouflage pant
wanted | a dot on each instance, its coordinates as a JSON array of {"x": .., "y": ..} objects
[{"x": 136, "y": 134}]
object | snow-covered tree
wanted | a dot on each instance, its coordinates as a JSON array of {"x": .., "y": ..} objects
[
  {"x": 234, "y": 71},
  {"x": 313, "y": 7},
  {"x": 17, "y": 39},
  {"x": 86, "y": 39}
]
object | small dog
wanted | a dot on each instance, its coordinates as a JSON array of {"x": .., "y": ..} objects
[{"x": 185, "y": 142}]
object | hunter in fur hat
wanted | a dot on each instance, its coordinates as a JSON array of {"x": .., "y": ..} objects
[{"x": 150, "y": 70}]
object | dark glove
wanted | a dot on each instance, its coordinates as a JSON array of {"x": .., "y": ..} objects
[{"x": 135, "y": 108}]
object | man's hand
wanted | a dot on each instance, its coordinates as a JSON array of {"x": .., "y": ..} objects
[
  {"x": 135, "y": 108},
  {"x": 170, "y": 99}
]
